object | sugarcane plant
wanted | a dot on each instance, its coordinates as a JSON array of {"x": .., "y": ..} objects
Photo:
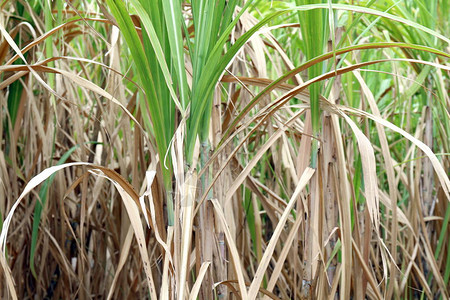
[{"x": 254, "y": 149}]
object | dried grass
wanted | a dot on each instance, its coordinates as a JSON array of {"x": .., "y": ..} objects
[{"x": 230, "y": 182}]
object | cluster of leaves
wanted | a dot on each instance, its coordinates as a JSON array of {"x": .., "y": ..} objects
[{"x": 277, "y": 149}]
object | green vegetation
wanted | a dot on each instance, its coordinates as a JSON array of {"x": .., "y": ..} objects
[{"x": 221, "y": 149}]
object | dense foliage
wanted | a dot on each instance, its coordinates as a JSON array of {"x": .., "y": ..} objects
[{"x": 211, "y": 148}]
